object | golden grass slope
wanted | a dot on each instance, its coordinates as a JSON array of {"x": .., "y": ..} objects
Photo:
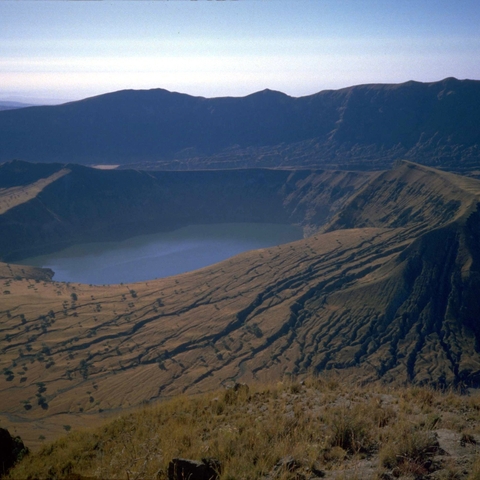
[
  {"x": 389, "y": 295},
  {"x": 9, "y": 272},
  {"x": 103, "y": 348},
  {"x": 321, "y": 428},
  {"x": 411, "y": 196}
]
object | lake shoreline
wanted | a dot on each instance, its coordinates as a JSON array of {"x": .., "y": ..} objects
[{"x": 160, "y": 255}]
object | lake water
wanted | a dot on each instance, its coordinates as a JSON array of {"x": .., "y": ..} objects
[{"x": 161, "y": 255}]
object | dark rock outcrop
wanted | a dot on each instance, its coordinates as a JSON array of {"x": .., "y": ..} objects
[
  {"x": 184, "y": 469},
  {"x": 12, "y": 450}
]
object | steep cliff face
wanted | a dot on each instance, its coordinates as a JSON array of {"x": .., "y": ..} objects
[
  {"x": 418, "y": 313},
  {"x": 411, "y": 196}
]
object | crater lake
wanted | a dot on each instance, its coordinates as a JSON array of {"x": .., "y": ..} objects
[{"x": 159, "y": 255}]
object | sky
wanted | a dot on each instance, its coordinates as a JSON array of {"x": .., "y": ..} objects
[{"x": 55, "y": 51}]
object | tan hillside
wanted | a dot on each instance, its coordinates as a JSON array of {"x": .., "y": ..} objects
[
  {"x": 388, "y": 294},
  {"x": 412, "y": 196},
  {"x": 318, "y": 428}
]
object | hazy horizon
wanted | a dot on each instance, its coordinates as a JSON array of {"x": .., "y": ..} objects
[
  {"x": 55, "y": 101},
  {"x": 53, "y": 52}
]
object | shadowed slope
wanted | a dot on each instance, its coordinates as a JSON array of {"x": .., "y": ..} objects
[
  {"x": 362, "y": 127},
  {"x": 79, "y": 204}
]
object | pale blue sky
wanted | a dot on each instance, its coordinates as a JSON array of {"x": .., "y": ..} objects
[{"x": 64, "y": 50}]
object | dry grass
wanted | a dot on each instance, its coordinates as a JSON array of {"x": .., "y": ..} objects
[
  {"x": 122, "y": 348},
  {"x": 322, "y": 424}
]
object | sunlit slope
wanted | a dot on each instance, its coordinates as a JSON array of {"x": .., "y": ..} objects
[
  {"x": 380, "y": 297},
  {"x": 412, "y": 196}
]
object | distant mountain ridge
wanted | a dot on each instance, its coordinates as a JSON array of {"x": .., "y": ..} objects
[
  {"x": 7, "y": 105},
  {"x": 361, "y": 127}
]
